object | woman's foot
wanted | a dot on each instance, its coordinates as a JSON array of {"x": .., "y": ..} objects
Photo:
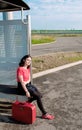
[{"x": 48, "y": 116}]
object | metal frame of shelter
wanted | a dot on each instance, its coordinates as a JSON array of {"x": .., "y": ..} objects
[{"x": 15, "y": 40}]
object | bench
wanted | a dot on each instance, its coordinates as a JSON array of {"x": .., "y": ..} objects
[
  {"x": 8, "y": 94},
  {"x": 9, "y": 90}
]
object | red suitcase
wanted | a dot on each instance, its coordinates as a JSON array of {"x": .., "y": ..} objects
[{"x": 24, "y": 112}]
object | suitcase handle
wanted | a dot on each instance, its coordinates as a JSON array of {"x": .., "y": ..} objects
[{"x": 21, "y": 103}]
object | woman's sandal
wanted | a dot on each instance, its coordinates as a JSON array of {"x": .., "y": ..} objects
[{"x": 48, "y": 116}]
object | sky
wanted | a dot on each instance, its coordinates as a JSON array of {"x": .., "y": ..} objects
[{"x": 54, "y": 14}]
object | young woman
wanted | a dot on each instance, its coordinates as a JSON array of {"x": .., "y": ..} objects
[{"x": 26, "y": 88}]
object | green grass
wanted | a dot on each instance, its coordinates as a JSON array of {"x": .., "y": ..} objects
[
  {"x": 48, "y": 38},
  {"x": 40, "y": 39}
]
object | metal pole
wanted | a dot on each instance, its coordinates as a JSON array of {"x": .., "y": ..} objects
[
  {"x": 29, "y": 34},
  {"x": 29, "y": 40},
  {"x": 7, "y": 15}
]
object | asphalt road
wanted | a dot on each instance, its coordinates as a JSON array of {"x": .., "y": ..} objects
[{"x": 62, "y": 44}]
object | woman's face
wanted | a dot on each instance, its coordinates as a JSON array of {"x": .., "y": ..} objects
[{"x": 28, "y": 61}]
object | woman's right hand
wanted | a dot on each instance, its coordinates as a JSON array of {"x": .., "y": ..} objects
[{"x": 28, "y": 94}]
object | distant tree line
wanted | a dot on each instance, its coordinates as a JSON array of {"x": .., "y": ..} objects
[{"x": 56, "y": 31}]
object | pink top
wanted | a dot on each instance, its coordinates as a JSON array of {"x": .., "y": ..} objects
[{"x": 25, "y": 73}]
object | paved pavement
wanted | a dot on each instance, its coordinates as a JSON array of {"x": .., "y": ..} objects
[{"x": 62, "y": 92}]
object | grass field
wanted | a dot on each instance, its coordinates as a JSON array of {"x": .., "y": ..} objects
[
  {"x": 46, "y": 36},
  {"x": 40, "y": 39},
  {"x": 52, "y": 60}
]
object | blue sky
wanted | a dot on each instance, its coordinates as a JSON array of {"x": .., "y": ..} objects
[{"x": 55, "y": 14}]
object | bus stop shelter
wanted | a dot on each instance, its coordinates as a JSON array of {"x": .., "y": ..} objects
[{"x": 15, "y": 40}]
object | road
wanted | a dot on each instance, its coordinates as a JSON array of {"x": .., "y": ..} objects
[{"x": 62, "y": 44}]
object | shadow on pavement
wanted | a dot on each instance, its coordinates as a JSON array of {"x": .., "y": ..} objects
[{"x": 9, "y": 119}]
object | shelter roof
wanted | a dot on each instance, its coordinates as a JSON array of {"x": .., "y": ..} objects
[{"x": 12, "y": 5}]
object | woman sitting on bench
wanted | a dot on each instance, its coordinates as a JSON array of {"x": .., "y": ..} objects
[{"x": 26, "y": 88}]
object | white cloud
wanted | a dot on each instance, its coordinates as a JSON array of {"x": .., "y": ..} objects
[
  {"x": 68, "y": 12},
  {"x": 56, "y": 6}
]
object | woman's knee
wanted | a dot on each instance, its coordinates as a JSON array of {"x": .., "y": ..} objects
[{"x": 38, "y": 97}]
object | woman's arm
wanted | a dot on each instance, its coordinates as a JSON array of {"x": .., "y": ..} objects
[{"x": 24, "y": 85}]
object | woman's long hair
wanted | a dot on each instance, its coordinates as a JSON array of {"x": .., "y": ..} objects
[{"x": 22, "y": 61}]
